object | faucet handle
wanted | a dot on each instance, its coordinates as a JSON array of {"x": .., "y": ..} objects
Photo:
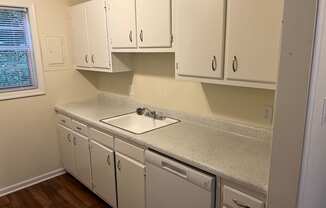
[{"x": 140, "y": 111}]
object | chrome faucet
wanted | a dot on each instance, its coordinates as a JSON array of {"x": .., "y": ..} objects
[{"x": 150, "y": 113}]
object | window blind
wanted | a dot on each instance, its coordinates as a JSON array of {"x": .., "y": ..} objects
[{"x": 16, "y": 57}]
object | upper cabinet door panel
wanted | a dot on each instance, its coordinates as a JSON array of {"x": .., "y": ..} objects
[
  {"x": 200, "y": 38},
  {"x": 253, "y": 40},
  {"x": 123, "y": 23},
  {"x": 154, "y": 23},
  {"x": 81, "y": 56},
  {"x": 98, "y": 33}
]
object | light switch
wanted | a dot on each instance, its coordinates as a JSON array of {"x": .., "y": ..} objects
[{"x": 54, "y": 50}]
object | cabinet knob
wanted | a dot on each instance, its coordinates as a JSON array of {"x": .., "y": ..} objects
[
  {"x": 235, "y": 64},
  {"x": 141, "y": 36},
  {"x": 130, "y": 36},
  {"x": 214, "y": 63}
]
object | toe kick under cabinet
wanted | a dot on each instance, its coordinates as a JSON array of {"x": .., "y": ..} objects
[{"x": 115, "y": 170}]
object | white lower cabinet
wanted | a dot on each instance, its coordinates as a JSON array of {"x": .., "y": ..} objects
[
  {"x": 130, "y": 182},
  {"x": 67, "y": 149},
  {"x": 82, "y": 159},
  {"x": 103, "y": 172}
]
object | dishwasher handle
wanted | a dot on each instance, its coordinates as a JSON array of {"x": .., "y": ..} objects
[{"x": 174, "y": 170}]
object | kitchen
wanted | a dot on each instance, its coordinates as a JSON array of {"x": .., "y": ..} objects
[{"x": 165, "y": 104}]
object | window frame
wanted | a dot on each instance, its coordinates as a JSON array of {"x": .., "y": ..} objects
[{"x": 39, "y": 88}]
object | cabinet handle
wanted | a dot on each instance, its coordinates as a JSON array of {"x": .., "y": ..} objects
[
  {"x": 86, "y": 59},
  {"x": 214, "y": 63},
  {"x": 141, "y": 36},
  {"x": 63, "y": 121},
  {"x": 235, "y": 64},
  {"x": 119, "y": 165},
  {"x": 69, "y": 138},
  {"x": 239, "y": 204},
  {"x": 108, "y": 160},
  {"x": 78, "y": 128},
  {"x": 74, "y": 141},
  {"x": 93, "y": 59},
  {"x": 130, "y": 36}
]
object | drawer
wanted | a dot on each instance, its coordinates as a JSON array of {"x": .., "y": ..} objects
[
  {"x": 237, "y": 199},
  {"x": 130, "y": 150},
  {"x": 64, "y": 120},
  {"x": 102, "y": 138},
  {"x": 80, "y": 128}
]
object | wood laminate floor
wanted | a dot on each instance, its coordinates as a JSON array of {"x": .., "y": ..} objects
[{"x": 61, "y": 192}]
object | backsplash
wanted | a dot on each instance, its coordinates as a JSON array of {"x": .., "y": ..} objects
[{"x": 153, "y": 83}]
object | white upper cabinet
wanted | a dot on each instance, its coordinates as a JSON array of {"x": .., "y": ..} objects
[
  {"x": 98, "y": 34},
  {"x": 123, "y": 23},
  {"x": 154, "y": 23},
  {"x": 91, "y": 49},
  {"x": 253, "y": 40},
  {"x": 200, "y": 38},
  {"x": 80, "y": 36},
  {"x": 141, "y": 24}
]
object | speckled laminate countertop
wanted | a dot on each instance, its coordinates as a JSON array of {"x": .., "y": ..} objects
[{"x": 243, "y": 160}]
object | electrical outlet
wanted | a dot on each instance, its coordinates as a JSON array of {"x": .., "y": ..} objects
[{"x": 269, "y": 113}]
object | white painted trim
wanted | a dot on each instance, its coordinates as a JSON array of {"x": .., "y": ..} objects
[
  {"x": 309, "y": 172},
  {"x": 30, "y": 182}
]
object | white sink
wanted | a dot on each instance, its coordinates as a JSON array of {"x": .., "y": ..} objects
[{"x": 138, "y": 124}]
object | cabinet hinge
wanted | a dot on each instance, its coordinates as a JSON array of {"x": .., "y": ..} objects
[{"x": 172, "y": 39}]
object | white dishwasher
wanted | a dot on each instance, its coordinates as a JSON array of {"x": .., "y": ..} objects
[{"x": 170, "y": 184}]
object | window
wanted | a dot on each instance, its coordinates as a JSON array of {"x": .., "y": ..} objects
[{"x": 20, "y": 70}]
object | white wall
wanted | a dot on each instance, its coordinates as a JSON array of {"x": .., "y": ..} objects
[
  {"x": 313, "y": 180},
  {"x": 153, "y": 82},
  {"x": 28, "y": 140}
]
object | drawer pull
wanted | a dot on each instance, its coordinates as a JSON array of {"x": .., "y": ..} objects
[
  {"x": 235, "y": 64},
  {"x": 63, "y": 121},
  {"x": 119, "y": 165},
  {"x": 108, "y": 160},
  {"x": 239, "y": 204},
  {"x": 78, "y": 128}
]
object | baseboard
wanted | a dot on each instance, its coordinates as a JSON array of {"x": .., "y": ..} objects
[{"x": 31, "y": 182}]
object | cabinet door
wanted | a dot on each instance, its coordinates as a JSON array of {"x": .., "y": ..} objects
[
  {"x": 131, "y": 182},
  {"x": 200, "y": 38},
  {"x": 81, "y": 56},
  {"x": 82, "y": 159},
  {"x": 123, "y": 23},
  {"x": 67, "y": 149},
  {"x": 253, "y": 40},
  {"x": 103, "y": 173},
  {"x": 98, "y": 33},
  {"x": 154, "y": 23}
]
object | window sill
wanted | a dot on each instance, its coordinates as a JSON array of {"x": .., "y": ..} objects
[{"x": 21, "y": 94}]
